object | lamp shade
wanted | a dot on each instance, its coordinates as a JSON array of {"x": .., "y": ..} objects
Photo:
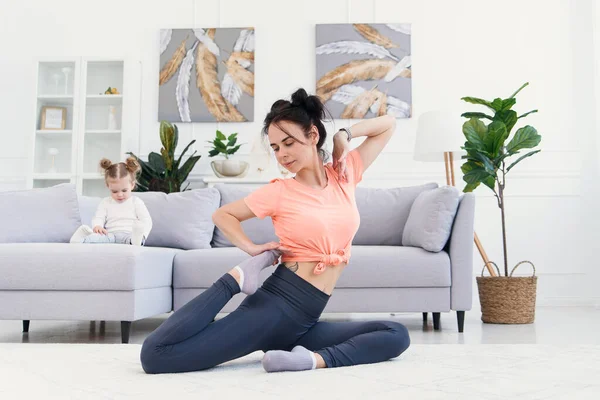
[{"x": 439, "y": 131}]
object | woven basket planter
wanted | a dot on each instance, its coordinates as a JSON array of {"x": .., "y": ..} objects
[{"x": 507, "y": 299}]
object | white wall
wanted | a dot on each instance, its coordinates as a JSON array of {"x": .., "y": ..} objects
[{"x": 460, "y": 48}]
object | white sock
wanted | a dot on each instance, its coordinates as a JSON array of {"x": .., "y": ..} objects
[
  {"x": 299, "y": 359},
  {"x": 250, "y": 269},
  {"x": 81, "y": 233},
  {"x": 137, "y": 234},
  {"x": 241, "y": 271}
]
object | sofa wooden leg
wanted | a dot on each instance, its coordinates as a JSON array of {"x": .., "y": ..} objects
[
  {"x": 25, "y": 325},
  {"x": 460, "y": 317},
  {"x": 436, "y": 321},
  {"x": 125, "y": 329},
  {"x": 424, "y": 317}
]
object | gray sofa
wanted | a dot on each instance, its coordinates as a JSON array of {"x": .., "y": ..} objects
[{"x": 62, "y": 281}]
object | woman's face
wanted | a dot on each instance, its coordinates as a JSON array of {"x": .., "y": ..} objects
[{"x": 290, "y": 153}]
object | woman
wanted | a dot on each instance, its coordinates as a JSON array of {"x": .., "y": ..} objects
[{"x": 315, "y": 218}]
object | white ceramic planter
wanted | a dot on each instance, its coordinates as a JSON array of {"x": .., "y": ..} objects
[{"x": 229, "y": 168}]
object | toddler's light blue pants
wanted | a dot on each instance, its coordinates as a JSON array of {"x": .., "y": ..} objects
[{"x": 116, "y": 237}]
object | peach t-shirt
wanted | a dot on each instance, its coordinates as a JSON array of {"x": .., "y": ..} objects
[{"x": 315, "y": 224}]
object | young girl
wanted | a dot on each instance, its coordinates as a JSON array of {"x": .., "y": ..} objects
[{"x": 120, "y": 218}]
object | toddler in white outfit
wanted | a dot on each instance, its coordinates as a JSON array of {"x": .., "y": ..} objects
[{"x": 120, "y": 218}]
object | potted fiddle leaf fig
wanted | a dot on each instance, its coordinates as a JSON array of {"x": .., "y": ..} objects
[
  {"x": 227, "y": 146},
  {"x": 162, "y": 172},
  {"x": 504, "y": 299}
]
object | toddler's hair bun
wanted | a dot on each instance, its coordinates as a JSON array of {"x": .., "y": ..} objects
[{"x": 105, "y": 163}]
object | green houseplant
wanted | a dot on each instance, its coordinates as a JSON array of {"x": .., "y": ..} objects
[
  {"x": 162, "y": 172},
  {"x": 486, "y": 162},
  {"x": 227, "y": 146}
]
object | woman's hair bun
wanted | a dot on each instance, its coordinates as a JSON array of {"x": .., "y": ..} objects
[{"x": 312, "y": 104}]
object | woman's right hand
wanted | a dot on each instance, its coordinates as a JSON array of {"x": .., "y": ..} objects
[
  {"x": 261, "y": 248},
  {"x": 99, "y": 229}
]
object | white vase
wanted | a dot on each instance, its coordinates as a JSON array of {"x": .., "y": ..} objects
[
  {"x": 112, "y": 118},
  {"x": 260, "y": 159},
  {"x": 53, "y": 151},
  {"x": 67, "y": 71}
]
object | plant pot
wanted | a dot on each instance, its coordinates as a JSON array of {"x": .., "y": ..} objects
[
  {"x": 229, "y": 168},
  {"x": 507, "y": 299}
]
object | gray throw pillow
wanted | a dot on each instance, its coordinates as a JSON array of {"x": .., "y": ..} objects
[
  {"x": 383, "y": 213},
  {"x": 181, "y": 220},
  {"x": 430, "y": 220},
  {"x": 46, "y": 215},
  {"x": 258, "y": 230},
  {"x": 87, "y": 208}
]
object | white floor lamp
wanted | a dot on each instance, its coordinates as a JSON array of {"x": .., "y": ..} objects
[{"x": 439, "y": 136}]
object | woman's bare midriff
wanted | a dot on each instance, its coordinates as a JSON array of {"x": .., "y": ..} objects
[{"x": 325, "y": 282}]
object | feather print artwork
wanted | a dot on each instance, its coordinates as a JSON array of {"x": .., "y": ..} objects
[
  {"x": 398, "y": 108},
  {"x": 347, "y": 93},
  {"x": 364, "y": 70},
  {"x": 238, "y": 79},
  {"x": 214, "y": 74},
  {"x": 360, "y": 105},
  {"x": 402, "y": 28},
  {"x": 398, "y": 69},
  {"x": 165, "y": 39},
  {"x": 207, "y": 41},
  {"x": 379, "y": 107},
  {"x": 372, "y": 35},
  {"x": 382, "y": 99},
  {"x": 360, "y": 70},
  {"x": 172, "y": 66},
  {"x": 210, "y": 87},
  {"x": 243, "y": 77},
  {"x": 244, "y": 58},
  {"x": 182, "y": 90},
  {"x": 245, "y": 41},
  {"x": 354, "y": 47},
  {"x": 230, "y": 90},
  {"x": 208, "y": 83}
]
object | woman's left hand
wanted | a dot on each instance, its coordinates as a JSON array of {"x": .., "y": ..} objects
[{"x": 341, "y": 148}]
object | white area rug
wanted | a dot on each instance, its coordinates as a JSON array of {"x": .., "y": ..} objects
[{"x": 107, "y": 371}]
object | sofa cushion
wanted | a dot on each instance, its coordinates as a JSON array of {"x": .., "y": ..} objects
[
  {"x": 430, "y": 220},
  {"x": 39, "y": 215},
  {"x": 181, "y": 220},
  {"x": 384, "y": 212},
  {"x": 87, "y": 208},
  {"x": 394, "y": 267},
  {"x": 370, "y": 266},
  {"x": 65, "y": 266},
  {"x": 259, "y": 231},
  {"x": 201, "y": 268}
]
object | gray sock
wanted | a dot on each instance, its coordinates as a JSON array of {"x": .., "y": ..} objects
[
  {"x": 299, "y": 359},
  {"x": 250, "y": 268}
]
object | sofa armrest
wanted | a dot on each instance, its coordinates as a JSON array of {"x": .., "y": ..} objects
[{"x": 460, "y": 250}]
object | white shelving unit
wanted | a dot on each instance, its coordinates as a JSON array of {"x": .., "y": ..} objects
[
  {"x": 57, "y": 84},
  {"x": 90, "y": 133}
]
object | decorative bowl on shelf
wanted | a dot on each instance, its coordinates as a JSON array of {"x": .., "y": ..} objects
[{"x": 230, "y": 168}]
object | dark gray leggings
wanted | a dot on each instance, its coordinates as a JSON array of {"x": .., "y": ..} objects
[{"x": 284, "y": 312}]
